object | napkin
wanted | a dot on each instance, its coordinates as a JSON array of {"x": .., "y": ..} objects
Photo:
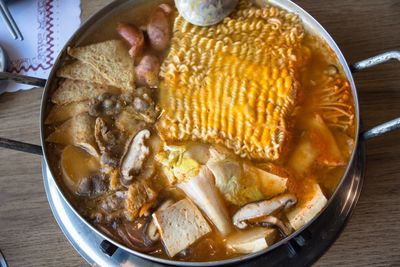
[{"x": 46, "y": 26}]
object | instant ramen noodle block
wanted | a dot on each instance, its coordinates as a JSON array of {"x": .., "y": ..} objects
[{"x": 234, "y": 83}]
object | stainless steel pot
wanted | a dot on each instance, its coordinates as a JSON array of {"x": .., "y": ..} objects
[{"x": 117, "y": 7}]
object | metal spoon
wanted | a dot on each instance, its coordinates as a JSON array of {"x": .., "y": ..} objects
[
  {"x": 4, "y": 61},
  {"x": 4, "y": 64},
  {"x": 205, "y": 12}
]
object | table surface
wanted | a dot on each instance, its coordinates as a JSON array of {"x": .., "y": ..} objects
[{"x": 29, "y": 235}]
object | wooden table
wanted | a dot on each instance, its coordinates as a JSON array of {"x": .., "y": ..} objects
[{"x": 29, "y": 236}]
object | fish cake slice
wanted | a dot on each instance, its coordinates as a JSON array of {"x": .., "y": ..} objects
[
  {"x": 60, "y": 113},
  {"x": 78, "y": 70},
  {"x": 75, "y": 91},
  {"x": 111, "y": 59},
  {"x": 77, "y": 131}
]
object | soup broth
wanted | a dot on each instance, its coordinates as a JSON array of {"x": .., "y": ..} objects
[{"x": 123, "y": 169}]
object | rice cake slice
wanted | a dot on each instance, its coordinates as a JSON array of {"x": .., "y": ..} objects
[
  {"x": 76, "y": 91},
  {"x": 251, "y": 240},
  {"x": 180, "y": 225},
  {"x": 78, "y": 70},
  {"x": 111, "y": 59},
  {"x": 60, "y": 113},
  {"x": 77, "y": 131}
]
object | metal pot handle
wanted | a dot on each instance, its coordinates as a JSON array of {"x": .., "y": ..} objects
[
  {"x": 365, "y": 64},
  {"x": 12, "y": 144}
]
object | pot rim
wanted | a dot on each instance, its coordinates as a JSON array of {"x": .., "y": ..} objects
[{"x": 311, "y": 24}]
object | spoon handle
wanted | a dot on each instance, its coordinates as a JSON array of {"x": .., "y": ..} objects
[{"x": 22, "y": 79}]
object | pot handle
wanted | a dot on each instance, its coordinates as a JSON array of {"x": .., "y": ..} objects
[
  {"x": 365, "y": 64},
  {"x": 18, "y": 78},
  {"x": 12, "y": 144}
]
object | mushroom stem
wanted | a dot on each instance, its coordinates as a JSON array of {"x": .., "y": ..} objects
[
  {"x": 260, "y": 209},
  {"x": 274, "y": 221}
]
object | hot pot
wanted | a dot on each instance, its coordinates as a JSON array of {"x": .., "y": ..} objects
[{"x": 297, "y": 244}]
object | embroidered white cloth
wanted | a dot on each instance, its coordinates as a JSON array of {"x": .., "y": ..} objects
[{"x": 46, "y": 26}]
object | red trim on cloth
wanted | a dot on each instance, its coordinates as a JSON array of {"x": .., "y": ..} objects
[{"x": 45, "y": 56}]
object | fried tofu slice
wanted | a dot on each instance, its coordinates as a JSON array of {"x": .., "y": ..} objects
[
  {"x": 180, "y": 225},
  {"x": 77, "y": 131},
  {"x": 307, "y": 208},
  {"x": 78, "y": 70},
  {"x": 252, "y": 240},
  {"x": 75, "y": 91},
  {"x": 60, "y": 113},
  {"x": 111, "y": 59}
]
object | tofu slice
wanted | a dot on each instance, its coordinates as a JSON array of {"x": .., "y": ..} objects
[
  {"x": 303, "y": 212},
  {"x": 252, "y": 240},
  {"x": 180, "y": 225}
]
